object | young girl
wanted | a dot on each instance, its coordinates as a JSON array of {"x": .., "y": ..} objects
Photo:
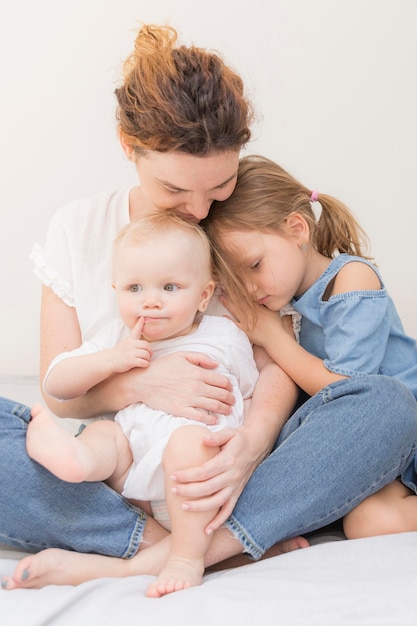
[
  {"x": 271, "y": 250},
  {"x": 163, "y": 283}
]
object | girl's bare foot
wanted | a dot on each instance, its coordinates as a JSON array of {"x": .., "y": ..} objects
[
  {"x": 53, "y": 447},
  {"x": 178, "y": 573}
]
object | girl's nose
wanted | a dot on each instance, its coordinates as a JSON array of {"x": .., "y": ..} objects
[{"x": 250, "y": 286}]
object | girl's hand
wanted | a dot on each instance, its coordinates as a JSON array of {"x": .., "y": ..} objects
[
  {"x": 266, "y": 322},
  {"x": 219, "y": 482},
  {"x": 184, "y": 384},
  {"x": 132, "y": 351}
]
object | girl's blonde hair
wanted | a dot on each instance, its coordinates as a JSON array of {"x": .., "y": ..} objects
[
  {"x": 180, "y": 98},
  {"x": 264, "y": 197}
]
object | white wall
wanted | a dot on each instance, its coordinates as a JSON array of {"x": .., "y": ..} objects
[{"x": 333, "y": 82}]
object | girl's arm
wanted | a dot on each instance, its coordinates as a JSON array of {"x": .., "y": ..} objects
[
  {"x": 181, "y": 384},
  {"x": 307, "y": 370}
]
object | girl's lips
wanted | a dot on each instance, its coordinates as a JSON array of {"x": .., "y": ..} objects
[{"x": 263, "y": 300}]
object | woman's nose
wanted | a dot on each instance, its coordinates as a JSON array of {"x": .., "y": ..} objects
[{"x": 198, "y": 208}]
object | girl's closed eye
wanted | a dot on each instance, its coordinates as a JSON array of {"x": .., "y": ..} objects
[{"x": 255, "y": 266}]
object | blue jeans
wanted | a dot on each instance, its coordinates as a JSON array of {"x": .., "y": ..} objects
[
  {"x": 344, "y": 444},
  {"x": 38, "y": 510}
]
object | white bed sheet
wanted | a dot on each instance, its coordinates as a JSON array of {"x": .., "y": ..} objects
[
  {"x": 365, "y": 582},
  {"x": 370, "y": 582}
]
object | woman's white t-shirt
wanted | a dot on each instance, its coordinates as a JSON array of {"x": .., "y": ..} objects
[{"x": 75, "y": 261}]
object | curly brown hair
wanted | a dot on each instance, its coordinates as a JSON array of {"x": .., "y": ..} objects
[{"x": 180, "y": 98}]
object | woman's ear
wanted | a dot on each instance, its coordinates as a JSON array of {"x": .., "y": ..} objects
[
  {"x": 127, "y": 148},
  {"x": 297, "y": 226},
  {"x": 206, "y": 296}
]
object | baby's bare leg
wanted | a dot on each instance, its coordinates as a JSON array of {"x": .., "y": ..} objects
[
  {"x": 393, "y": 509},
  {"x": 189, "y": 543},
  {"x": 100, "y": 452}
]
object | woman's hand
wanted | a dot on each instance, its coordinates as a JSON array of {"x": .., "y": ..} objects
[
  {"x": 181, "y": 384},
  {"x": 185, "y": 384},
  {"x": 219, "y": 482}
]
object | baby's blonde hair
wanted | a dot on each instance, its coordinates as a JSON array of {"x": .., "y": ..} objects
[{"x": 152, "y": 225}]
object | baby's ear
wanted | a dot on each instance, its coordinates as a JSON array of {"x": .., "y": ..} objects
[{"x": 206, "y": 296}]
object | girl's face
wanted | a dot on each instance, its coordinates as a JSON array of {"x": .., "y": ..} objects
[
  {"x": 183, "y": 183},
  {"x": 275, "y": 266},
  {"x": 165, "y": 280}
]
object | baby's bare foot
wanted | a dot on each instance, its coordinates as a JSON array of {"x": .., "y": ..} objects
[
  {"x": 178, "y": 573},
  {"x": 53, "y": 447}
]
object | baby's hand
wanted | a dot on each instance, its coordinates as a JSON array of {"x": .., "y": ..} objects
[{"x": 131, "y": 351}]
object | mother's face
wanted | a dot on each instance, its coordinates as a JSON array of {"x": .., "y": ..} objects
[{"x": 184, "y": 183}]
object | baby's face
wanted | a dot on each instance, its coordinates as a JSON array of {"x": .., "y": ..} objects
[{"x": 166, "y": 281}]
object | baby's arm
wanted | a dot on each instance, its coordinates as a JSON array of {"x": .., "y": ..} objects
[{"x": 75, "y": 375}]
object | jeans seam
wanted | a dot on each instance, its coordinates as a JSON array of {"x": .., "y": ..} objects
[
  {"x": 22, "y": 412},
  {"x": 249, "y": 546}
]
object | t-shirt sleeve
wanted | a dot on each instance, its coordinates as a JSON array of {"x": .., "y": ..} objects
[
  {"x": 356, "y": 331},
  {"x": 52, "y": 262}
]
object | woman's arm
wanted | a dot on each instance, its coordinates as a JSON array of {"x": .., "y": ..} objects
[
  {"x": 181, "y": 384},
  {"x": 219, "y": 482}
]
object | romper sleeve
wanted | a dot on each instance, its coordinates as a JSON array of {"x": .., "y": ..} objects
[
  {"x": 107, "y": 338},
  {"x": 52, "y": 264},
  {"x": 356, "y": 330}
]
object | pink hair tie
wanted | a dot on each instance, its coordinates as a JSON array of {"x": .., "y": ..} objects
[{"x": 314, "y": 196}]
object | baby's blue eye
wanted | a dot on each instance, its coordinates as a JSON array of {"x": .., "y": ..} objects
[
  {"x": 134, "y": 288},
  {"x": 171, "y": 287}
]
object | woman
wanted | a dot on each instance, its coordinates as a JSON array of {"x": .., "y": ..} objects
[
  {"x": 308, "y": 481},
  {"x": 183, "y": 119}
]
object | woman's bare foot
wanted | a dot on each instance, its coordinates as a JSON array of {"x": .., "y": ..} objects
[
  {"x": 54, "y": 566},
  {"x": 63, "y": 567},
  {"x": 178, "y": 573},
  {"x": 53, "y": 447},
  {"x": 297, "y": 543}
]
